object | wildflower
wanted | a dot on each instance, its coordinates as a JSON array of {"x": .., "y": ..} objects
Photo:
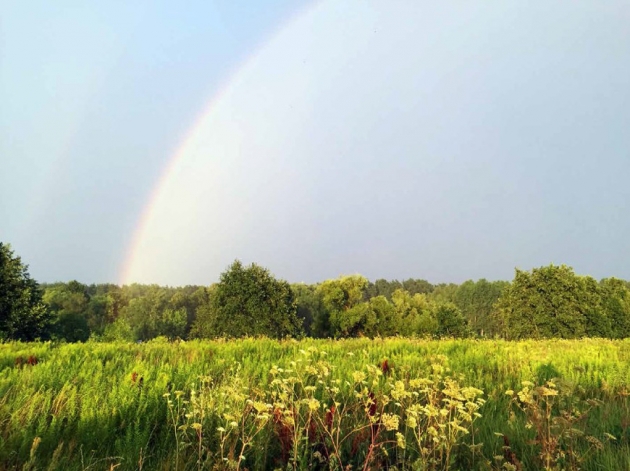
[
  {"x": 390, "y": 421},
  {"x": 261, "y": 406},
  {"x": 358, "y": 376},
  {"x": 411, "y": 422},
  {"x": 525, "y": 396},
  {"x": 471, "y": 393},
  {"x": 399, "y": 391},
  {"x": 400, "y": 440},
  {"x": 419, "y": 383}
]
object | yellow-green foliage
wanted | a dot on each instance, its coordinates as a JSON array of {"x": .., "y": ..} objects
[{"x": 316, "y": 404}]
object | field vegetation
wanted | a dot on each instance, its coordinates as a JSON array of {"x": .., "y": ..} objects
[{"x": 316, "y": 404}]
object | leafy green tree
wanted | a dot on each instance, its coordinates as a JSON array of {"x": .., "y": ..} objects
[
  {"x": 547, "y": 302},
  {"x": 476, "y": 300},
  {"x": 204, "y": 322},
  {"x": 413, "y": 314},
  {"x": 115, "y": 303},
  {"x": 68, "y": 303},
  {"x": 173, "y": 323},
  {"x": 451, "y": 321},
  {"x": 417, "y": 286},
  {"x": 159, "y": 311},
  {"x": 357, "y": 321},
  {"x": 249, "y": 301},
  {"x": 387, "y": 288},
  {"x": 119, "y": 330},
  {"x": 381, "y": 287},
  {"x": 597, "y": 318},
  {"x": 96, "y": 313},
  {"x": 187, "y": 299},
  {"x": 615, "y": 296},
  {"x": 23, "y": 315},
  {"x": 309, "y": 309},
  {"x": 344, "y": 312},
  {"x": 383, "y": 317},
  {"x": 144, "y": 313},
  {"x": 444, "y": 293}
]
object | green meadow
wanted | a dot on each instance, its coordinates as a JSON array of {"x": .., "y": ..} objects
[{"x": 316, "y": 404}]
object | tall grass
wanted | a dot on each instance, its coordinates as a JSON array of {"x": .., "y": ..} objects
[{"x": 162, "y": 405}]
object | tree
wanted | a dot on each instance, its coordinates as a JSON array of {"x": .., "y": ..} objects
[
  {"x": 23, "y": 315},
  {"x": 119, "y": 331},
  {"x": 382, "y": 287},
  {"x": 383, "y": 317},
  {"x": 597, "y": 319},
  {"x": 309, "y": 309},
  {"x": 451, "y": 321},
  {"x": 144, "y": 313},
  {"x": 417, "y": 286},
  {"x": 386, "y": 288},
  {"x": 414, "y": 315},
  {"x": 444, "y": 293},
  {"x": 476, "y": 300},
  {"x": 68, "y": 304},
  {"x": 344, "y": 312},
  {"x": 188, "y": 299},
  {"x": 548, "y": 302},
  {"x": 249, "y": 301},
  {"x": 204, "y": 314},
  {"x": 159, "y": 311},
  {"x": 616, "y": 306},
  {"x": 173, "y": 323}
]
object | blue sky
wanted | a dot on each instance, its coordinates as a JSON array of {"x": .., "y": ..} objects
[{"x": 395, "y": 139}]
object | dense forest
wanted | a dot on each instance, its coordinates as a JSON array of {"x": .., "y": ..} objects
[{"x": 550, "y": 301}]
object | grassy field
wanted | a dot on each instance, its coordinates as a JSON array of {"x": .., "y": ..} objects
[{"x": 316, "y": 404}]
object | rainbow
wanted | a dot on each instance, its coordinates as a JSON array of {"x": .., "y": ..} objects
[{"x": 126, "y": 273}]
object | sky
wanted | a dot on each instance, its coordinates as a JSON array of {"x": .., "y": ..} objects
[{"x": 156, "y": 142}]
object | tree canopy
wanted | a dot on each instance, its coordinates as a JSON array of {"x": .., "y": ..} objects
[
  {"x": 553, "y": 301},
  {"x": 249, "y": 301},
  {"x": 23, "y": 315}
]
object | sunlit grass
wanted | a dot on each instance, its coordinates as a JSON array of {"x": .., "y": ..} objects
[{"x": 162, "y": 405}]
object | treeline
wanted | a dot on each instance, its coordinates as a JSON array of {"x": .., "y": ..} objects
[
  {"x": 250, "y": 301},
  {"x": 546, "y": 302}
]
